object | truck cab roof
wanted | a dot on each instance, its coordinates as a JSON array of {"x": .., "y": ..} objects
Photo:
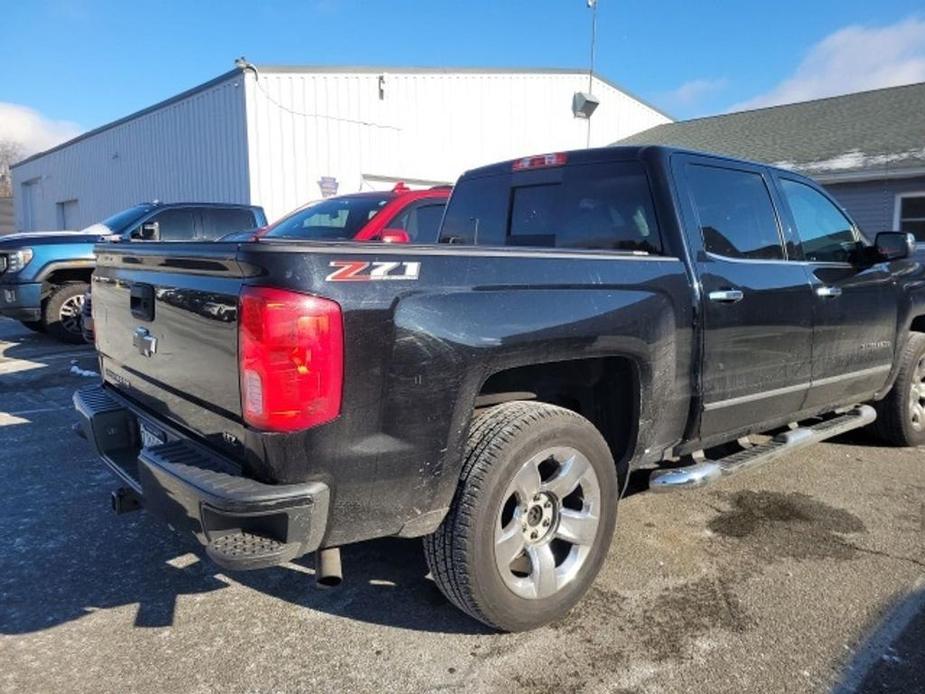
[{"x": 603, "y": 154}]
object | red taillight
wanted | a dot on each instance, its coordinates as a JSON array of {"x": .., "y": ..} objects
[
  {"x": 291, "y": 348},
  {"x": 540, "y": 161}
]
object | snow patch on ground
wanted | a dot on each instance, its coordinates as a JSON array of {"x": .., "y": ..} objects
[{"x": 75, "y": 370}]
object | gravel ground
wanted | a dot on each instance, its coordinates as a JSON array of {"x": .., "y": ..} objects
[{"x": 805, "y": 575}]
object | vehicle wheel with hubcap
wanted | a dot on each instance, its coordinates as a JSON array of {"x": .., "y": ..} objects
[
  {"x": 901, "y": 414},
  {"x": 62, "y": 312},
  {"x": 532, "y": 517}
]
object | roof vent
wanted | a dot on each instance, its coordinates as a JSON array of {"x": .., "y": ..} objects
[{"x": 584, "y": 104}]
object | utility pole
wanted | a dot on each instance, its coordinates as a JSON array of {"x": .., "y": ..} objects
[{"x": 592, "y": 5}]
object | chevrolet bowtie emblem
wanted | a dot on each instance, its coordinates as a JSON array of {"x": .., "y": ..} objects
[{"x": 144, "y": 342}]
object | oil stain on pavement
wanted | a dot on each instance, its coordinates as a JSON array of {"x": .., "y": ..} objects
[{"x": 779, "y": 525}]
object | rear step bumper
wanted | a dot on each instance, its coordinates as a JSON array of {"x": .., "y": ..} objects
[
  {"x": 244, "y": 524},
  {"x": 708, "y": 472}
]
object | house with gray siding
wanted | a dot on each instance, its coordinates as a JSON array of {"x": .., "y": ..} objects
[{"x": 867, "y": 149}]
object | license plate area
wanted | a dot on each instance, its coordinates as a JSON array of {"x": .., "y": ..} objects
[{"x": 150, "y": 435}]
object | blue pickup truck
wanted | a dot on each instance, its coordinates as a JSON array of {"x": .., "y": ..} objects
[{"x": 43, "y": 275}]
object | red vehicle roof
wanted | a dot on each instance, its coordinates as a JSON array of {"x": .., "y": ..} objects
[{"x": 400, "y": 197}]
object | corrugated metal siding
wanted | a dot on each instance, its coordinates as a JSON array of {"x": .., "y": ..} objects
[
  {"x": 6, "y": 215},
  {"x": 427, "y": 126},
  {"x": 193, "y": 149},
  {"x": 873, "y": 203}
]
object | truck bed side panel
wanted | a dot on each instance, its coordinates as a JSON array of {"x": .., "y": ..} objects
[{"x": 418, "y": 351}]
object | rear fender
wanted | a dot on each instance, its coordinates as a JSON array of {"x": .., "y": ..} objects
[{"x": 446, "y": 347}]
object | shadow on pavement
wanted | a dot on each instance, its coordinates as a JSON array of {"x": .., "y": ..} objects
[
  {"x": 78, "y": 560},
  {"x": 68, "y": 574},
  {"x": 65, "y": 554},
  {"x": 892, "y": 658}
]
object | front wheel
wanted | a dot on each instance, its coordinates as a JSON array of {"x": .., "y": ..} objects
[
  {"x": 532, "y": 518},
  {"x": 901, "y": 414},
  {"x": 62, "y": 312}
]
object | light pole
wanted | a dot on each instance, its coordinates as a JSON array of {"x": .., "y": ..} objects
[
  {"x": 584, "y": 103},
  {"x": 592, "y": 5}
]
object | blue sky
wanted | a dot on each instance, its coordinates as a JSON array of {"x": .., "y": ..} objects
[{"x": 75, "y": 65}]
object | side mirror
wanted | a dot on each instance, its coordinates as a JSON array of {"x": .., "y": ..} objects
[
  {"x": 394, "y": 236},
  {"x": 894, "y": 245},
  {"x": 149, "y": 231}
]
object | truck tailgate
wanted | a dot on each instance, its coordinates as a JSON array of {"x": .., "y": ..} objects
[{"x": 166, "y": 325}]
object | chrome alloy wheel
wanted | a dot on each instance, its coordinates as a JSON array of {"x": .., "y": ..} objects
[
  {"x": 917, "y": 396},
  {"x": 69, "y": 313},
  {"x": 547, "y": 523}
]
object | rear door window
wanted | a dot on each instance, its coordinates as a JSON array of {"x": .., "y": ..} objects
[
  {"x": 176, "y": 225},
  {"x": 737, "y": 218},
  {"x": 218, "y": 221},
  {"x": 605, "y": 206}
]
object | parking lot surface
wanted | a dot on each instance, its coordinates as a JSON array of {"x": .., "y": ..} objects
[{"x": 805, "y": 575}]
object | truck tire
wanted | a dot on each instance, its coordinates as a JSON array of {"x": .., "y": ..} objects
[
  {"x": 531, "y": 520},
  {"x": 901, "y": 414},
  {"x": 62, "y": 312}
]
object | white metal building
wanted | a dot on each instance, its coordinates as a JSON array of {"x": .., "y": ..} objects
[{"x": 273, "y": 136}]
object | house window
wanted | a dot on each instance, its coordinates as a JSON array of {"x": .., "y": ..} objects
[{"x": 910, "y": 213}]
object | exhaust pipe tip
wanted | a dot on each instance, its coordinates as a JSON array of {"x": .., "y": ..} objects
[
  {"x": 328, "y": 572},
  {"x": 124, "y": 500}
]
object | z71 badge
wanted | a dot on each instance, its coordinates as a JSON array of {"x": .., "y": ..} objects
[{"x": 362, "y": 271}]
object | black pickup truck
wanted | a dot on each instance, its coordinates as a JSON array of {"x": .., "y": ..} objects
[{"x": 585, "y": 314}]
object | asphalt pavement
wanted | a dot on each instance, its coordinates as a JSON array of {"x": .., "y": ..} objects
[{"x": 805, "y": 575}]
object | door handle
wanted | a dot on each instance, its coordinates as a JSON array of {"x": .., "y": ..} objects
[
  {"x": 828, "y": 291},
  {"x": 726, "y": 296}
]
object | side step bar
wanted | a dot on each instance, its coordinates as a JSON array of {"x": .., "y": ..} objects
[{"x": 708, "y": 472}]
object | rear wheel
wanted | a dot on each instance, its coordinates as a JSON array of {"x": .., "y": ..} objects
[
  {"x": 901, "y": 414},
  {"x": 532, "y": 518},
  {"x": 62, "y": 312}
]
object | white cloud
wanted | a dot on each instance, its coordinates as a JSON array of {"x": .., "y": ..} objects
[
  {"x": 33, "y": 131},
  {"x": 693, "y": 91},
  {"x": 853, "y": 59}
]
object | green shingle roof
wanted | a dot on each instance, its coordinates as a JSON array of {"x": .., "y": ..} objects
[{"x": 876, "y": 131}]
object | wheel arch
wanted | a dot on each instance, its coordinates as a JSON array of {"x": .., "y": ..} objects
[
  {"x": 58, "y": 273},
  {"x": 588, "y": 386}
]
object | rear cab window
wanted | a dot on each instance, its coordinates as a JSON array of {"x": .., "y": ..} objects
[{"x": 582, "y": 206}]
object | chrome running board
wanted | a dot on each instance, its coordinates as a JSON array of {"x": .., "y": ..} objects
[{"x": 709, "y": 471}]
